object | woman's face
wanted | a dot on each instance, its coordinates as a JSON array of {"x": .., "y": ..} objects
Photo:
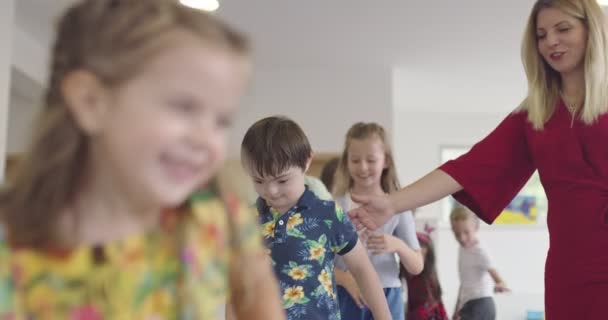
[{"x": 561, "y": 40}]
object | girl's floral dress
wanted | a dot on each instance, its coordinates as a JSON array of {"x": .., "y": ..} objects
[{"x": 179, "y": 271}]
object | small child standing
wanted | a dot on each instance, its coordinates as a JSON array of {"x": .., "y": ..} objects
[
  {"x": 476, "y": 272},
  {"x": 423, "y": 290},
  {"x": 328, "y": 172},
  {"x": 303, "y": 233}
]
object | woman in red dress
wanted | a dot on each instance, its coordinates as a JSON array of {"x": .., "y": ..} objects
[{"x": 561, "y": 130}]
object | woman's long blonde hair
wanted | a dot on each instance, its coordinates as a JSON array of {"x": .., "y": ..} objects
[
  {"x": 544, "y": 83},
  {"x": 359, "y": 131},
  {"x": 112, "y": 39}
]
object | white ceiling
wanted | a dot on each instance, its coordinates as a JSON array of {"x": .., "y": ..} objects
[{"x": 353, "y": 32}]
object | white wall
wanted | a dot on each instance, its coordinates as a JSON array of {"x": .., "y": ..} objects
[
  {"x": 23, "y": 66},
  {"x": 518, "y": 253},
  {"x": 460, "y": 83},
  {"x": 324, "y": 101},
  {"x": 442, "y": 103},
  {"x": 445, "y": 104},
  {"x": 7, "y": 8},
  {"x": 21, "y": 115},
  {"x": 419, "y": 136},
  {"x": 24, "y": 104},
  {"x": 29, "y": 55}
]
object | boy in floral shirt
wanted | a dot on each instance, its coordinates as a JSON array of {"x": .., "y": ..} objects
[{"x": 303, "y": 233}]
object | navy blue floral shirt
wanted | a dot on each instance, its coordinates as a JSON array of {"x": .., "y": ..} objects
[{"x": 303, "y": 244}]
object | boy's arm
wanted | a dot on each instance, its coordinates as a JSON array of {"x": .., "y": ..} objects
[
  {"x": 346, "y": 280},
  {"x": 500, "y": 285},
  {"x": 368, "y": 281},
  {"x": 456, "y": 316}
]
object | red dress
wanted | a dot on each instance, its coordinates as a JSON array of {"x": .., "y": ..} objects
[
  {"x": 572, "y": 161},
  {"x": 422, "y": 303}
]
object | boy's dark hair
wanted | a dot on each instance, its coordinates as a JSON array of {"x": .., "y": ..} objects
[{"x": 273, "y": 145}]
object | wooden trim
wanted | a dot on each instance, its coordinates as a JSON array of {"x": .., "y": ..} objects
[
  {"x": 318, "y": 162},
  {"x": 324, "y": 156},
  {"x": 11, "y": 163}
]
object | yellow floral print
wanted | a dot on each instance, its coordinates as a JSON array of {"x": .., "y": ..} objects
[
  {"x": 294, "y": 293},
  {"x": 317, "y": 253},
  {"x": 142, "y": 277},
  {"x": 294, "y": 221}
]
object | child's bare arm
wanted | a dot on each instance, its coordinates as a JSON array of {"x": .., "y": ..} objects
[
  {"x": 346, "y": 280},
  {"x": 368, "y": 281},
  {"x": 411, "y": 259},
  {"x": 500, "y": 285},
  {"x": 456, "y": 315},
  {"x": 261, "y": 282}
]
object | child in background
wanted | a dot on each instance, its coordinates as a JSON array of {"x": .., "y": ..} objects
[
  {"x": 367, "y": 168},
  {"x": 304, "y": 234},
  {"x": 103, "y": 219},
  {"x": 476, "y": 272},
  {"x": 329, "y": 172},
  {"x": 424, "y": 291},
  {"x": 318, "y": 186}
]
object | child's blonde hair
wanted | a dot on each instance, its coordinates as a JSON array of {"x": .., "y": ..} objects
[
  {"x": 544, "y": 83},
  {"x": 359, "y": 131},
  {"x": 462, "y": 213},
  {"x": 112, "y": 39}
]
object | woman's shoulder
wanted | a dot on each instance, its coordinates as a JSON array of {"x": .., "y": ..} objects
[{"x": 519, "y": 115}]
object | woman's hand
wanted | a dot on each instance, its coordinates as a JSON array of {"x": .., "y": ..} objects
[{"x": 374, "y": 211}]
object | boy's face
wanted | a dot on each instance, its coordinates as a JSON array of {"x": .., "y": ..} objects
[
  {"x": 465, "y": 232},
  {"x": 282, "y": 191}
]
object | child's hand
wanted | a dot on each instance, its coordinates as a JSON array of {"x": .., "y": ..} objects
[
  {"x": 501, "y": 287},
  {"x": 351, "y": 287},
  {"x": 380, "y": 243}
]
